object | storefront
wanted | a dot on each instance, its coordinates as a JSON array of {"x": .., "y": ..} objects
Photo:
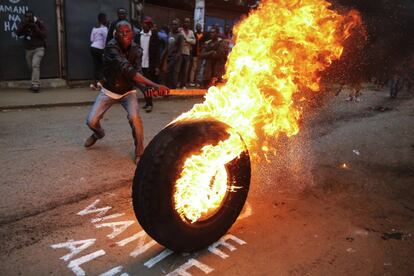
[
  {"x": 69, "y": 23},
  {"x": 12, "y": 54}
]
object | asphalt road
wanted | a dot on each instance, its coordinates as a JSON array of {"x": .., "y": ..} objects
[{"x": 336, "y": 200}]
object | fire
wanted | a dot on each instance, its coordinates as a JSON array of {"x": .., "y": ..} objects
[{"x": 280, "y": 50}]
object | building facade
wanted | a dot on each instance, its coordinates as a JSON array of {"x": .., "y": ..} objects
[{"x": 69, "y": 23}]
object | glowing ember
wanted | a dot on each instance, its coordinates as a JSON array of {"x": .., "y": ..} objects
[{"x": 280, "y": 50}]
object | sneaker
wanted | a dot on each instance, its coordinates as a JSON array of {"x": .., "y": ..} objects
[
  {"x": 192, "y": 84},
  {"x": 35, "y": 88},
  {"x": 145, "y": 106},
  {"x": 148, "y": 109},
  {"x": 90, "y": 141}
]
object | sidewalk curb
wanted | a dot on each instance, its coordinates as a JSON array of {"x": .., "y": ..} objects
[{"x": 48, "y": 105}]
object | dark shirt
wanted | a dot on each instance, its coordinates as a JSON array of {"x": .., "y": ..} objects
[
  {"x": 175, "y": 44},
  {"x": 34, "y": 34},
  {"x": 120, "y": 67},
  {"x": 200, "y": 40}
]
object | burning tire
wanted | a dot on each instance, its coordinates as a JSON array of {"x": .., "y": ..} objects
[{"x": 154, "y": 191}]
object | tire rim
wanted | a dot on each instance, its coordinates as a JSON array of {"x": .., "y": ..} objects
[{"x": 201, "y": 189}]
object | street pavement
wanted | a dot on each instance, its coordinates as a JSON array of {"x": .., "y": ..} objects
[
  {"x": 335, "y": 200},
  {"x": 18, "y": 98}
]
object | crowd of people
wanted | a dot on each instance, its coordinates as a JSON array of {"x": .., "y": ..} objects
[
  {"x": 173, "y": 55},
  {"x": 154, "y": 60}
]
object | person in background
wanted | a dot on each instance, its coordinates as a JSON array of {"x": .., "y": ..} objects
[
  {"x": 122, "y": 16},
  {"x": 228, "y": 34},
  {"x": 121, "y": 73},
  {"x": 34, "y": 35},
  {"x": 150, "y": 43},
  {"x": 196, "y": 51},
  {"x": 163, "y": 36},
  {"x": 172, "y": 54},
  {"x": 355, "y": 87},
  {"x": 396, "y": 81},
  {"x": 188, "y": 41},
  {"x": 98, "y": 39},
  {"x": 214, "y": 55}
]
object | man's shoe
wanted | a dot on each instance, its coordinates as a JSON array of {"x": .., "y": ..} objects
[
  {"x": 90, "y": 141},
  {"x": 148, "y": 109},
  {"x": 35, "y": 88}
]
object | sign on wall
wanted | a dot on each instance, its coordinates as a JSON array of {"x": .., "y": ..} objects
[{"x": 13, "y": 64}]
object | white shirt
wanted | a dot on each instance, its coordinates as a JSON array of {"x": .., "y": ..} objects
[
  {"x": 145, "y": 39},
  {"x": 98, "y": 37},
  {"x": 115, "y": 96}
]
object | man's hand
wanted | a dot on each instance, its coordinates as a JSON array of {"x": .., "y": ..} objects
[
  {"x": 159, "y": 90},
  {"x": 163, "y": 90}
]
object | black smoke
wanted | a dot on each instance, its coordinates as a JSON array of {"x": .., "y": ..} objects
[{"x": 389, "y": 44}]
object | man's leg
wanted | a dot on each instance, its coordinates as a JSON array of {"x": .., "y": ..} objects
[
  {"x": 97, "y": 63},
  {"x": 171, "y": 73},
  {"x": 186, "y": 66},
  {"x": 177, "y": 69},
  {"x": 130, "y": 104},
  {"x": 200, "y": 73},
  {"x": 148, "y": 99},
  {"x": 37, "y": 59},
  {"x": 29, "y": 59},
  {"x": 101, "y": 105},
  {"x": 193, "y": 70}
]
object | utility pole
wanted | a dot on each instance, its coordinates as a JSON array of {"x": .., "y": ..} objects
[{"x": 199, "y": 12}]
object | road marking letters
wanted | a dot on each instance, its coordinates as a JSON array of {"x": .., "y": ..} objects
[{"x": 118, "y": 227}]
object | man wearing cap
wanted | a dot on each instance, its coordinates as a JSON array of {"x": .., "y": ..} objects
[
  {"x": 150, "y": 43},
  {"x": 121, "y": 73}
]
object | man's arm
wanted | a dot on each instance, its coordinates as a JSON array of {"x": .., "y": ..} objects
[
  {"x": 206, "y": 52},
  {"x": 113, "y": 55},
  {"x": 21, "y": 29},
  {"x": 179, "y": 44},
  {"x": 40, "y": 29},
  {"x": 191, "y": 38}
]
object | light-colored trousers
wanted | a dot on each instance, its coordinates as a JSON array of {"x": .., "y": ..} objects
[
  {"x": 195, "y": 67},
  {"x": 33, "y": 59}
]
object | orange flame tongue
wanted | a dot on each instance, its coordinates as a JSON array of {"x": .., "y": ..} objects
[{"x": 279, "y": 51}]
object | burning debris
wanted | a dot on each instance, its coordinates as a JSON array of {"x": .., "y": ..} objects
[{"x": 275, "y": 66}]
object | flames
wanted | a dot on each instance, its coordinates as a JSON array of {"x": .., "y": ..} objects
[{"x": 280, "y": 50}]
